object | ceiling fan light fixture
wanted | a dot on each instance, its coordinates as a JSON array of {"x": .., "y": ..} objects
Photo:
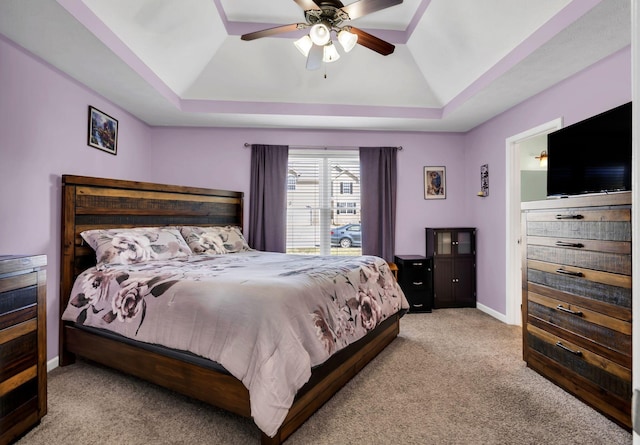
[
  {"x": 304, "y": 45},
  {"x": 320, "y": 33},
  {"x": 330, "y": 53},
  {"x": 347, "y": 39}
]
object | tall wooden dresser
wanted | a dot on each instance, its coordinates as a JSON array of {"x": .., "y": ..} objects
[
  {"x": 577, "y": 297},
  {"x": 23, "y": 349}
]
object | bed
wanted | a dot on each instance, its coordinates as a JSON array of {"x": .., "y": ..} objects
[{"x": 100, "y": 204}]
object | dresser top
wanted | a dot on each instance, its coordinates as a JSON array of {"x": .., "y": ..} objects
[
  {"x": 411, "y": 257},
  {"x": 612, "y": 199},
  {"x": 13, "y": 263}
]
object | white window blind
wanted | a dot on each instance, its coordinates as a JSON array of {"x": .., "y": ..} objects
[{"x": 318, "y": 206}]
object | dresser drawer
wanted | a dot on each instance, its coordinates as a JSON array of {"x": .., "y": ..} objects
[
  {"x": 617, "y": 263},
  {"x": 614, "y": 289},
  {"x": 414, "y": 274},
  {"x": 581, "y": 224},
  {"x": 607, "y": 336},
  {"x": 590, "y": 307},
  {"x": 20, "y": 400},
  {"x": 607, "y": 375},
  {"x": 419, "y": 301},
  {"x": 415, "y": 282},
  {"x": 18, "y": 349},
  {"x": 18, "y": 299}
]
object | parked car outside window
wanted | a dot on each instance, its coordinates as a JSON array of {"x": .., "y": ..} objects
[{"x": 349, "y": 235}]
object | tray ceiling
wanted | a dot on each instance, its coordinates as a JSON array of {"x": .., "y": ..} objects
[{"x": 457, "y": 63}]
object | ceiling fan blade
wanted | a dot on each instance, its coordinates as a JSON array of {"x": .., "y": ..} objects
[
  {"x": 314, "y": 59},
  {"x": 364, "y": 7},
  {"x": 272, "y": 31},
  {"x": 307, "y": 4},
  {"x": 372, "y": 42}
]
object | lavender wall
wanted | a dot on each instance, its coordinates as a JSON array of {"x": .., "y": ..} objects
[
  {"x": 597, "y": 88},
  {"x": 43, "y": 134}
]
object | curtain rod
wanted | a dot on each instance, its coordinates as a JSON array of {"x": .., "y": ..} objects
[{"x": 322, "y": 147}]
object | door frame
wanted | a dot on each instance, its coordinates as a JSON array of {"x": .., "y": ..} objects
[{"x": 514, "y": 254}]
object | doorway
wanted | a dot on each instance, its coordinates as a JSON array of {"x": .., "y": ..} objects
[{"x": 515, "y": 145}]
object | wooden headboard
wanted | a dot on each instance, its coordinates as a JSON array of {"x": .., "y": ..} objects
[{"x": 99, "y": 203}]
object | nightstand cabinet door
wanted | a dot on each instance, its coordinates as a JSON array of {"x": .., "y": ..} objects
[
  {"x": 415, "y": 279},
  {"x": 23, "y": 353},
  {"x": 453, "y": 251}
]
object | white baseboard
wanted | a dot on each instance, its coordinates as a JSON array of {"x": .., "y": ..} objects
[
  {"x": 53, "y": 363},
  {"x": 493, "y": 313}
]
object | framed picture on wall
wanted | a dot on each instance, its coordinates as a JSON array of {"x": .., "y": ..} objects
[
  {"x": 435, "y": 186},
  {"x": 103, "y": 131}
]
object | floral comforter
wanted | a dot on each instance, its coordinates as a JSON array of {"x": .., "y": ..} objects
[{"x": 266, "y": 317}]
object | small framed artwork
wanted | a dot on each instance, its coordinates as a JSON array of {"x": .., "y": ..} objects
[
  {"x": 435, "y": 186},
  {"x": 103, "y": 131}
]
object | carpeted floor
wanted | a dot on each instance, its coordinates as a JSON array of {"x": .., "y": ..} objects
[{"x": 454, "y": 376}]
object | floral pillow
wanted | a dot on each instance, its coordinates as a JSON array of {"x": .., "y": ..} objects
[
  {"x": 215, "y": 240},
  {"x": 136, "y": 245}
]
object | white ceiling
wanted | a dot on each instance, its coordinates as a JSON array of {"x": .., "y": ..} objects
[{"x": 456, "y": 64}]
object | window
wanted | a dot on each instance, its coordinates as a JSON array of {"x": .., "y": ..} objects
[
  {"x": 346, "y": 208},
  {"x": 318, "y": 216},
  {"x": 292, "y": 180}
]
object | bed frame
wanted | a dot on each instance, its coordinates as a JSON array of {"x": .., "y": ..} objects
[{"x": 90, "y": 203}]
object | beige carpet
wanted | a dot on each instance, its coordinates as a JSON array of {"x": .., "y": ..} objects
[{"x": 454, "y": 376}]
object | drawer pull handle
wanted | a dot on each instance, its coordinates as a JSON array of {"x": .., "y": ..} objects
[
  {"x": 417, "y": 283},
  {"x": 560, "y": 345},
  {"x": 569, "y": 217},
  {"x": 418, "y": 305},
  {"x": 570, "y": 273},
  {"x": 417, "y": 264},
  {"x": 565, "y": 244},
  {"x": 569, "y": 311}
]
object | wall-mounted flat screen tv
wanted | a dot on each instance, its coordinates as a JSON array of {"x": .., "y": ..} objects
[{"x": 591, "y": 156}]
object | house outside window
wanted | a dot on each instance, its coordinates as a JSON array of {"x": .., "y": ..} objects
[{"x": 317, "y": 205}]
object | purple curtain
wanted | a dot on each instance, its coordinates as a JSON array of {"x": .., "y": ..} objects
[
  {"x": 378, "y": 176},
  {"x": 268, "y": 197}
]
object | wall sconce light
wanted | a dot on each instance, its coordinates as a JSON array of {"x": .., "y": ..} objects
[{"x": 543, "y": 158}]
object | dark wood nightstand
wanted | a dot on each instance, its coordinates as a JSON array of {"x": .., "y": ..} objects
[{"x": 416, "y": 280}]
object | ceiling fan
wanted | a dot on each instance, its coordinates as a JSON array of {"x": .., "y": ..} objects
[{"x": 324, "y": 17}]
